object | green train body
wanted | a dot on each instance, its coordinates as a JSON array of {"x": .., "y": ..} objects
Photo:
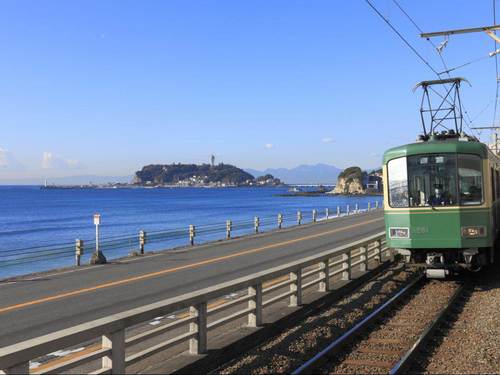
[{"x": 441, "y": 202}]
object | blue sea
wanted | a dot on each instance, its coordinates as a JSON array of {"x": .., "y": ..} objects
[{"x": 38, "y": 228}]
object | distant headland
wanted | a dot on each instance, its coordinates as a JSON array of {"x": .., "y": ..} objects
[
  {"x": 184, "y": 175},
  {"x": 199, "y": 175}
]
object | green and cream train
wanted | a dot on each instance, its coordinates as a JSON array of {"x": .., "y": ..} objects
[{"x": 441, "y": 202}]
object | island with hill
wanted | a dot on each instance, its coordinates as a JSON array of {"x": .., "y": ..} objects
[
  {"x": 199, "y": 175},
  {"x": 351, "y": 181}
]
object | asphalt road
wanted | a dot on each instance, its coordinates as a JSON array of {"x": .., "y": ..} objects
[{"x": 36, "y": 306}]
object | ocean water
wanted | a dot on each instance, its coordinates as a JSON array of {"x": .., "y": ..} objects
[{"x": 38, "y": 228}]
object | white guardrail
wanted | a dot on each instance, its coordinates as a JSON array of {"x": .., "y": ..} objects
[{"x": 318, "y": 269}]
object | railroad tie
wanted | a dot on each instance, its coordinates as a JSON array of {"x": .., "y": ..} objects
[
  {"x": 379, "y": 351},
  {"x": 387, "y": 341},
  {"x": 369, "y": 363}
]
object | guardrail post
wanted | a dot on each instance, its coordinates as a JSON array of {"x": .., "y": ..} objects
[
  {"x": 21, "y": 368},
  {"x": 198, "y": 344},
  {"x": 376, "y": 205},
  {"x": 78, "y": 252},
  {"x": 324, "y": 286},
  {"x": 142, "y": 240},
  {"x": 369, "y": 206},
  {"x": 296, "y": 288},
  {"x": 364, "y": 257},
  {"x": 229, "y": 226},
  {"x": 299, "y": 217},
  {"x": 338, "y": 211},
  {"x": 346, "y": 265},
  {"x": 116, "y": 360},
  {"x": 327, "y": 213},
  {"x": 378, "y": 251},
  {"x": 256, "y": 223},
  {"x": 255, "y": 317},
  {"x": 192, "y": 234},
  {"x": 280, "y": 220},
  {"x": 348, "y": 211},
  {"x": 314, "y": 215}
]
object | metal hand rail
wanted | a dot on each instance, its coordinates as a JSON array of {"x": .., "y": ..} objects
[{"x": 112, "y": 329}]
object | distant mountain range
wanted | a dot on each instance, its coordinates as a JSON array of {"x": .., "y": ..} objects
[
  {"x": 72, "y": 180},
  {"x": 303, "y": 174}
]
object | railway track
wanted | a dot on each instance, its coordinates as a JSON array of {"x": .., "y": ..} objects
[{"x": 388, "y": 339}]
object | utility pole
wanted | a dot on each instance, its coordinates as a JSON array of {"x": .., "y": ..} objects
[{"x": 495, "y": 134}]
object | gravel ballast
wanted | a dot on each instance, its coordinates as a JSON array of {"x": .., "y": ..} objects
[
  {"x": 286, "y": 351},
  {"x": 471, "y": 345}
]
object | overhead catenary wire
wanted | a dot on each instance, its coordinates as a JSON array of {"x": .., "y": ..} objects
[
  {"x": 421, "y": 32},
  {"x": 465, "y": 64},
  {"x": 402, "y": 37},
  {"x": 467, "y": 118}
]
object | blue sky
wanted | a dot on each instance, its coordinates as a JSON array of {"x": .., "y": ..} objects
[{"x": 104, "y": 87}]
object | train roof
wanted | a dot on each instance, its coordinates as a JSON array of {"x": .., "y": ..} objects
[{"x": 454, "y": 145}]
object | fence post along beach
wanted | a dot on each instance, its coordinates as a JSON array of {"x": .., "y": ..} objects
[
  {"x": 123, "y": 245},
  {"x": 142, "y": 240}
]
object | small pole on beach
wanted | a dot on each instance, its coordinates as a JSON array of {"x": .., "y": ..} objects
[
  {"x": 256, "y": 223},
  {"x": 192, "y": 233},
  {"x": 97, "y": 222},
  {"x": 369, "y": 206},
  {"x": 98, "y": 257},
  {"x": 338, "y": 211},
  {"x": 348, "y": 210},
  {"x": 357, "y": 208},
  {"x": 314, "y": 214},
  {"x": 78, "y": 252},
  {"x": 229, "y": 225},
  {"x": 299, "y": 217},
  {"x": 280, "y": 220},
  {"x": 376, "y": 205},
  {"x": 327, "y": 213},
  {"x": 142, "y": 240}
]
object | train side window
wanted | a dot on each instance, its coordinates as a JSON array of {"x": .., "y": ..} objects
[
  {"x": 497, "y": 181},
  {"x": 470, "y": 179},
  {"x": 492, "y": 185}
]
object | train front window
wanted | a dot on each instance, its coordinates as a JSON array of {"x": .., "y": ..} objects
[
  {"x": 470, "y": 179},
  {"x": 435, "y": 180},
  {"x": 398, "y": 182},
  {"x": 432, "y": 180}
]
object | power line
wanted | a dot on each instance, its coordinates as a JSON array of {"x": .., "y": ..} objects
[
  {"x": 421, "y": 32},
  {"x": 468, "y": 121},
  {"x": 402, "y": 37},
  {"x": 465, "y": 64}
]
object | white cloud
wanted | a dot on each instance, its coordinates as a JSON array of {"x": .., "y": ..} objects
[
  {"x": 269, "y": 146},
  {"x": 51, "y": 161},
  {"x": 8, "y": 161},
  {"x": 3, "y": 158},
  {"x": 327, "y": 140}
]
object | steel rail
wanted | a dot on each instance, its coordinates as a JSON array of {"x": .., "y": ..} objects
[
  {"x": 337, "y": 345},
  {"x": 403, "y": 364}
]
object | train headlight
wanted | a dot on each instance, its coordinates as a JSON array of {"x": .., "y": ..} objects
[
  {"x": 399, "y": 232},
  {"x": 473, "y": 232}
]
